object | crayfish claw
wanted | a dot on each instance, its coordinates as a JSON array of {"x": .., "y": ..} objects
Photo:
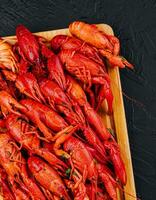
[
  {"x": 105, "y": 93},
  {"x": 8, "y": 103},
  {"x": 127, "y": 64},
  {"x": 56, "y": 71},
  {"x": 114, "y": 153}
]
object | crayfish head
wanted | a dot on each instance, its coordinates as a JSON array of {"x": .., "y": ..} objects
[
  {"x": 57, "y": 41},
  {"x": 35, "y": 164},
  {"x": 28, "y": 44},
  {"x": 75, "y": 91},
  {"x": 56, "y": 71}
]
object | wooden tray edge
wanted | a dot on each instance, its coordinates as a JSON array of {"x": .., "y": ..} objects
[{"x": 121, "y": 127}]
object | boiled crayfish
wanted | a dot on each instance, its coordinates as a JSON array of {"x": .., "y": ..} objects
[
  {"x": 71, "y": 43},
  {"x": 109, "y": 45},
  {"x": 53, "y": 143}
]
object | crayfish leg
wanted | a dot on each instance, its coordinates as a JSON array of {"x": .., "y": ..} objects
[
  {"x": 61, "y": 137},
  {"x": 51, "y": 159}
]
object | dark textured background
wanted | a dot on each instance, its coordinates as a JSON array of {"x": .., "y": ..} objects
[{"x": 134, "y": 22}]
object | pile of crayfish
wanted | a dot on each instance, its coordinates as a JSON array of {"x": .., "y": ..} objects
[{"x": 53, "y": 143}]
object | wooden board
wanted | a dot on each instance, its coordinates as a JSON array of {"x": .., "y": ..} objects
[{"x": 116, "y": 122}]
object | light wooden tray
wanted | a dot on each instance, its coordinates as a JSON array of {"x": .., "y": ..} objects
[{"x": 117, "y": 121}]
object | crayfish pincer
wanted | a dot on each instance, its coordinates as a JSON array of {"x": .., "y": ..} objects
[{"x": 9, "y": 104}]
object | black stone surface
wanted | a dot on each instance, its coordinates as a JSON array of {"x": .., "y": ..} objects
[{"x": 134, "y": 22}]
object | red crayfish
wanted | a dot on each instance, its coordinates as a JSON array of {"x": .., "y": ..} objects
[{"x": 53, "y": 143}]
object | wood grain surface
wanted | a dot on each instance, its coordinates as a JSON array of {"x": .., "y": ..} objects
[{"x": 117, "y": 121}]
